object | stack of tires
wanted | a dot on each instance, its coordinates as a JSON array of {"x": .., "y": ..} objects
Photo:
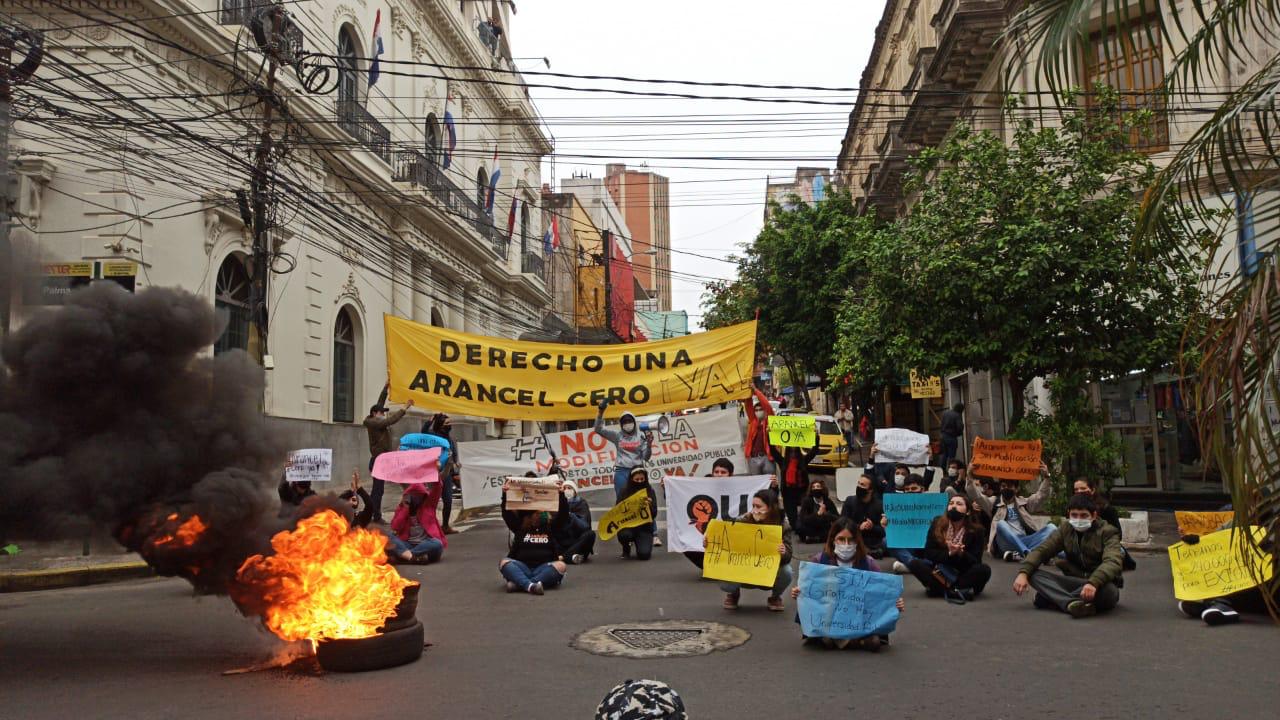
[{"x": 398, "y": 642}]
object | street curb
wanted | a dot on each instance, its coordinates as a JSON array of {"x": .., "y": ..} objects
[{"x": 72, "y": 576}]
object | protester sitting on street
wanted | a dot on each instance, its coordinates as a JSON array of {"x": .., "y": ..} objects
[
  {"x": 1226, "y": 610},
  {"x": 902, "y": 557},
  {"x": 1015, "y": 530},
  {"x": 415, "y": 532},
  {"x": 355, "y": 497},
  {"x": 756, "y": 447},
  {"x": 1106, "y": 512},
  {"x": 642, "y": 536},
  {"x": 442, "y": 427},
  {"x": 956, "y": 477},
  {"x": 844, "y": 548},
  {"x": 292, "y": 495},
  {"x": 817, "y": 512},
  {"x": 793, "y": 474},
  {"x": 532, "y": 564},
  {"x": 632, "y": 447},
  {"x": 866, "y": 511},
  {"x": 577, "y": 540},
  {"x": 764, "y": 511},
  {"x": 1092, "y": 569},
  {"x": 378, "y": 426},
  {"x": 951, "y": 563}
]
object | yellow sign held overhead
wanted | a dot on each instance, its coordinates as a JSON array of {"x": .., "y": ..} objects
[
  {"x": 743, "y": 553},
  {"x": 793, "y": 431},
  {"x": 494, "y": 377},
  {"x": 1217, "y": 566},
  {"x": 925, "y": 387},
  {"x": 634, "y": 511}
]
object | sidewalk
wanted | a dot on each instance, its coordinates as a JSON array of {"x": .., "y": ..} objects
[{"x": 49, "y": 565}]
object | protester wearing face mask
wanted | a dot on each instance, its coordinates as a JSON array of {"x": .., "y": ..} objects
[
  {"x": 415, "y": 532},
  {"x": 866, "y": 511},
  {"x": 533, "y": 564},
  {"x": 1092, "y": 564},
  {"x": 577, "y": 540},
  {"x": 817, "y": 513},
  {"x": 845, "y": 549},
  {"x": 632, "y": 447},
  {"x": 641, "y": 537},
  {"x": 764, "y": 511},
  {"x": 1015, "y": 529},
  {"x": 793, "y": 474},
  {"x": 955, "y": 478},
  {"x": 450, "y": 472},
  {"x": 951, "y": 563},
  {"x": 1106, "y": 512},
  {"x": 902, "y": 557},
  {"x": 756, "y": 447}
]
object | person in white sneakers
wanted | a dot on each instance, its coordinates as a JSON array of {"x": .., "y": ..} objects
[{"x": 1015, "y": 529}]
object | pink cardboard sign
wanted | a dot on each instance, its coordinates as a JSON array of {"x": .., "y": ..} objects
[{"x": 408, "y": 467}]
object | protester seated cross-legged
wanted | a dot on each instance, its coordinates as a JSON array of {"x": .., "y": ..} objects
[
  {"x": 722, "y": 467},
  {"x": 415, "y": 532},
  {"x": 1106, "y": 512},
  {"x": 902, "y": 557},
  {"x": 866, "y": 511},
  {"x": 641, "y": 537},
  {"x": 951, "y": 563},
  {"x": 765, "y": 511},
  {"x": 817, "y": 513},
  {"x": 535, "y": 561},
  {"x": 1015, "y": 530},
  {"x": 1092, "y": 569},
  {"x": 844, "y": 548},
  {"x": 577, "y": 540}
]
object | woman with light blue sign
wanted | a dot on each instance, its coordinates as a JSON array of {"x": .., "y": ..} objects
[{"x": 845, "y": 549}]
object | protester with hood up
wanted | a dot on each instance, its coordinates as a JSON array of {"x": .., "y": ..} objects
[
  {"x": 643, "y": 536},
  {"x": 633, "y": 448},
  {"x": 450, "y": 472},
  {"x": 378, "y": 425},
  {"x": 292, "y": 495},
  {"x": 415, "y": 532}
]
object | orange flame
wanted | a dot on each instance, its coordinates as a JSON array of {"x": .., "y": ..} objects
[
  {"x": 185, "y": 535},
  {"x": 325, "y": 580}
]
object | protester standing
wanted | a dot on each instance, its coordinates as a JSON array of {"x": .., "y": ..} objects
[
  {"x": 632, "y": 447},
  {"x": 450, "y": 473},
  {"x": 756, "y": 447},
  {"x": 952, "y": 430},
  {"x": 378, "y": 425},
  {"x": 844, "y": 417}
]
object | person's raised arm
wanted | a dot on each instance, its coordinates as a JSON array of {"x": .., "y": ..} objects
[
  {"x": 974, "y": 491},
  {"x": 382, "y": 398},
  {"x": 510, "y": 517},
  {"x": 600, "y": 429},
  {"x": 1038, "y": 498}
]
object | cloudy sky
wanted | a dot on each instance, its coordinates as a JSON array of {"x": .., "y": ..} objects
[{"x": 717, "y": 153}]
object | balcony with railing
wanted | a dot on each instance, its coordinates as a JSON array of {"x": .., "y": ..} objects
[
  {"x": 415, "y": 168},
  {"x": 532, "y": 262},
  {"x": 365, "y": 128}
]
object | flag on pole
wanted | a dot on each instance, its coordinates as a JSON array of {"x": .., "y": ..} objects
[
  {"x": 511, "y": 218},
  {"x": 551, "y": 238},
  {"x": 493, "y": 183},
  {"x": 374, "y": 70},
  {"x": 450, "y": 131}
]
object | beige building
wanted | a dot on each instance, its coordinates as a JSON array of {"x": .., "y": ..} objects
[
  {"x": 939, "y": 62},
  {"x": 367, "y": 221}
]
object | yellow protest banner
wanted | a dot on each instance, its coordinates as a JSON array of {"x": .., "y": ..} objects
[
  {"x": 1201, "y": 523},
  {"x": 494, "y": 377},
  {"x": 793, "y": 431},
  {"x": 743, "y": 553},
  {"x": 1218, "y": 565},
  {"x": 631, "y": 512},
  {"x": 923, "y": 387}
]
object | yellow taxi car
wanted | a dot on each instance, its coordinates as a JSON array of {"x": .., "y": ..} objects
[{"x": 833, "y": 451}]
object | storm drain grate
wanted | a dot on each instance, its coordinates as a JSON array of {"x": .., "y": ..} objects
[{"x": 649, "y": 639}]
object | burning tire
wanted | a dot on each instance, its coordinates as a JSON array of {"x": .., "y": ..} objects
[
  {"x": 384, "y": 650},
  {"x": 405, "y": 614}
]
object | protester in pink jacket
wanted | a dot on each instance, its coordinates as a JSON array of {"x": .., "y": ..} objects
[{"x": 417, "y": 536}]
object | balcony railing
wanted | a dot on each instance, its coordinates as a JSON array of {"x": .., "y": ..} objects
[
  {"x": 416, "y": 168},
  {"x": 238, "y": 12},
  {"x": 532, "y": 262},
  {"x": 365, "y": 128}
]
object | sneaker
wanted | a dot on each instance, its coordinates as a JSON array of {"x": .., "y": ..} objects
[
  {"x": 899, "y": 568},
  {"x": 774, "y": 603},
  {"x": 1013, "y": 556},
  {"x": 536, "y": 589},
  {"x": 1219, "y": 614},
  {"x": 1191, "y": 609},
  {"x": 577, "y": 559},
  {"x": 731, "y": 601},
  {"x": 1081, "y": 609},
  {"x": 512, "y": 587},
  {"x": 657, "y": 541}
]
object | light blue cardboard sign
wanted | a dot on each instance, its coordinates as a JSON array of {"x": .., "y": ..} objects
[
  {"x": 910, "y": 515},
  {"x": 843, "y": 603}
]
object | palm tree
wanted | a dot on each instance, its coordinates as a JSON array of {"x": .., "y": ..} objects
[{"x": 1233, "y": 350}]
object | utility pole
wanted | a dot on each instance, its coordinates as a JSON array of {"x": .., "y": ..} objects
[
  {"x": 260, "y": 190},
  {"x": 9, "y": 76},
  {"x": 606, "y": 238}
]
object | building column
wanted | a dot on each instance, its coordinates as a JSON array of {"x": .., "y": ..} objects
[{"x": 401, "y": 279}]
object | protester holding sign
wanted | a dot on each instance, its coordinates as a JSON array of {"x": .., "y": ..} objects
[
  {"x": 442, "y": 427},
  {"x": 1092, "y": 566},
  {"x": 577, "y": 539},
  {"x": 793, "y": 474},
  {"x": 865, "y": 510},
  {"x": 416, "y": 534},
  {"x": 641, "y": 537},
  {"x": 817, "y": 513},
  {"x": 1015, "y": 530},
  {"x": 533, "y": 564},
  {"x": 951, "y": 564},
  {"x": 632, "y": 447},
  {"x": 756, "y": 447},
  {"x": 292, "y": 494},
  {"x": 908, "y": 515},
  {"x": 764, "y": 511},
  {"x": 1222, "y": 609},
  {"x": 378, "y": 425},
  {"x": 354, "y": 497}
]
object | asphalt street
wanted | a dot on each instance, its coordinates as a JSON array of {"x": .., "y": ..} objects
[{"x": 149, "y": 649}]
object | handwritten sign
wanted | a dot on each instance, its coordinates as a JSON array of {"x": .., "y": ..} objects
[
  {"x": 1218, "y": 565},
  {"x": 408, "y": 467},
  {"x": 1201, "y": 523},
  {"x": 793, "y": 431},
  {"x": 923, "y": 387},
  {"x": 910, "y": 515},
  {"x": 1007, "y": 459},
  {"x": 634, "y": 511},
  {"x": 896, "y": 445},
  {"x": 311, "y": 465},
  {"x": 844, "y": 603},
  {"x": 692, "y": 502},
  {"x": 743, "y": 553},
  {"x": 533, "y": 493}
]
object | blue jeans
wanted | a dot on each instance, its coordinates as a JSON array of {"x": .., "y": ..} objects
[
  {"x": 430, "y": 548},
  {"x": 902, "y": 555},
  {"x": 1009, "y": 539},
  {"x": 780, "y": 583},
  {"x": 950, "y": 445},
  {"x": 620, "y": 476},
  {"x": 520, "y": 574}
]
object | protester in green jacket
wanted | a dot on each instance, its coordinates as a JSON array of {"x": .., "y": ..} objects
[{"x": 1092, "y": 569}]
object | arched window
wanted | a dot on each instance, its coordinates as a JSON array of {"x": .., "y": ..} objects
[
  {"x": 482, "y": 187},
  {"x": 231, "y": 295},
  {"x": 344, "y": 367},
  {"x": 348, "y": 67},
  {"x": 431, "y": 134}
]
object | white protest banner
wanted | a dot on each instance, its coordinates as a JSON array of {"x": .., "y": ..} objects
[
  {"x": 541, "y": 493},
  {"x": 896, "y": 445},
  {"x": 310, "y": 465},
  {"x": 689, "y": 447},
  {"x": 692, "y": 502}
]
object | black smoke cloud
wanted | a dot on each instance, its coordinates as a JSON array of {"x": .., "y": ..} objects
[{"x": 114, "y": 416}]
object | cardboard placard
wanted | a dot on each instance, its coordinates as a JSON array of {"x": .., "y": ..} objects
[
  {"x": 310, "y": 465},
  {"x": 1218, "y": 565},
  {"x": 534, "y": 493},
  {"x": 845, "y": 603},
  {"x": 1201, "y": 523},
  {"x": 923, "y": 387},
  {"x": 408, "y": 467},
  {"x": 1007, "y": 459},
  {"x": 744, "y": 553},
  {"x": 800, "y": 431}
]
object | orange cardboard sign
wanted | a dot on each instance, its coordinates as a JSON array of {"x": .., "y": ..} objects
[
  {"x": 1007, "y": 459},
  {"x": 1202, "y": 523}
]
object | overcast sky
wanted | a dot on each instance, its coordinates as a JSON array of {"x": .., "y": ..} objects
[{"x": 716, "y": 204}]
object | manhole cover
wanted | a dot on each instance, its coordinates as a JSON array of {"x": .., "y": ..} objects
[{"x": 665, "y": 638}]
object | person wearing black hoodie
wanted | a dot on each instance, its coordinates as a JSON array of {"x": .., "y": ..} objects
[
  {"x": 577, "y": 540},
  {"x": 793, "y": 476},
  {"x": 817, "y": 513},
  {"x": 642, "y": 536},
  {"x": 534, "y": 562},
  {"x": 354, "y": 497},
  {"x": 866, "y": 511},
  {"x": 292, "y": 495}
]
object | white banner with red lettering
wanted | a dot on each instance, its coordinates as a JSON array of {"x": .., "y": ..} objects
[{"x": 691, "y": 445}]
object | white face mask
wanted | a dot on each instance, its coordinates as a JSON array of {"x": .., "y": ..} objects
[
  {"x": 1080, "y": 524},
  {"x": 628, "y": 428},
  {"x": 899, "y": 480},
  {"x": 952, "y": 472},
  {"x": 845, "y": 552},
  {"x": 759, "y": 515},
  {"x": 570, "y": 493}
]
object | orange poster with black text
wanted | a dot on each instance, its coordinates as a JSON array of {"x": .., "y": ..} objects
[{"x": 1007, "y": 459}]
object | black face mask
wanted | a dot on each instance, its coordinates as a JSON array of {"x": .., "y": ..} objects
[
  {"x": 955, "y": 514},
  {"x": 1008, "y": 495},
  {"x": 864, "y": 492}
]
